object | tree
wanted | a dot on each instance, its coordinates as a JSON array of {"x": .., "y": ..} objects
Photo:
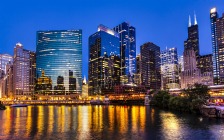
[
  {"x": 161, "y": 98},
  {"x": 197, "y": 96},
  {"x": 197, "y": 91}
]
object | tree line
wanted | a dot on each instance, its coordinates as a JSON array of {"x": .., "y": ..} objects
[{"x": 190, "y": 100}]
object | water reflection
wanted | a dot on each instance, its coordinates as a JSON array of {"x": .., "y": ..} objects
[{"x": 104, "y": 122}]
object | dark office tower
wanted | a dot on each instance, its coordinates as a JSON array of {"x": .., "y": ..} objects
[
  {"x": 104, "y": 61},
  {"x": 138, "y": 64},
  {"x": 217, "y": 31},
  {"x": 72, "y": 82},
  {"x": 193, "y": 37},
  {"x": 57, "y": 52},
  {"x": 128, "y": 51},
  {"x": 150, "y": 65},
  {"x": 32, "y": 72},
  {"x": 137, "y": 75},
  {"x": 60, "y": 89}
]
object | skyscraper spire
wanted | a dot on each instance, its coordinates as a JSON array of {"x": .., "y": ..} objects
[
  {"x": 195, "y": 19},
  {"x": 84, "y": 80},
  {"x": 189, "y": 24}
]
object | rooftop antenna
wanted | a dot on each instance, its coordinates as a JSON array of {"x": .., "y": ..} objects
[
  {"x": 195, "y": 19},
  {"x": 189, "y": 24}
]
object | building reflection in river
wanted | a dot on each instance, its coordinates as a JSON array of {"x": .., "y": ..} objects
[{"x": 97, "y": 122}]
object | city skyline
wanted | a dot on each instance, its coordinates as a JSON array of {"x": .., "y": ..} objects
[
  {"x": 150, "y": 22},
  {"x": 112, "y": 69}
]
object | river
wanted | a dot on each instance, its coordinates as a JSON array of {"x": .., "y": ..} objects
[{"x": 106, "y": 123}]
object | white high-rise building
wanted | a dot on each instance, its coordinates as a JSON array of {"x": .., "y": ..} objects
[
  {"x": 169, "y": 69},
  {"x": 23, "y": 71}
]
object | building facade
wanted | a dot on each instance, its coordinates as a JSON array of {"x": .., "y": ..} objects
[
  {"x": 104, "y": 61},
  {"x": 150, "y": 66},
  {"x": 205, "y": 63},
  {"x": 59, "y": 55},
  {"x": 24, "y": 68},
  {"x": 4, "y": 60},
  {"x": 192, "y": 74},
  {"x": 169, "y": 69},
  {"x": 6, "y": 82},
  {"x": 127, "y": 36},
  {"x": 217, "y": 32}
]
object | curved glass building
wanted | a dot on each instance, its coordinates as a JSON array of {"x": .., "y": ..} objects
[{"x": 59, "y": 56}]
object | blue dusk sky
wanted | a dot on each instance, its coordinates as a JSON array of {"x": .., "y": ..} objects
[{"x": 163, "y": 22}]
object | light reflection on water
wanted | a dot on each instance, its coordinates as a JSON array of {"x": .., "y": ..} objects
[{"x": 105, "y": 122}]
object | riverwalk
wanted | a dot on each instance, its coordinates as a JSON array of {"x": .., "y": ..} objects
[
  {"x": 73, "y": 102},
  {"x": 49, "y": 102}
]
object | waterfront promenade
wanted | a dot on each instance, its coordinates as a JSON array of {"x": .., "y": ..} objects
[
  {"x": 73, "y": 102},
  {"x": 48, "y": 102}
]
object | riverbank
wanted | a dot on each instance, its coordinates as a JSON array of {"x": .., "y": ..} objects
[
  {"x": 49, "y": 102},
  {"x": 73, "y": 102}
]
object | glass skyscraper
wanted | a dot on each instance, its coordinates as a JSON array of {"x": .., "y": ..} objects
[
  {"x": 150, "y": 66},
  {"x": 4, "y": 60},
  {"x": 128, "y": 51},
  {"x": 104, "y": 61},
  {"x": 59, "y": 57},
  {"x": 217, "y": 32},
  {"x": 169, "y": 69}
]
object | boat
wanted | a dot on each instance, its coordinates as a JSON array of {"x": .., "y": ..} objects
[
  {"x": 19, "y": 105},
  {"x": 95, "y": 102},
  {"x": 106, "y": 101}
]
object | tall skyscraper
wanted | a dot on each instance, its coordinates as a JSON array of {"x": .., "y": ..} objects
[
  {"x": 217, "y": 32},
  {"x": 193, "y": 71},
  {"x": 169, "y": 69},
  {"x": 23, "y": 71},
  {"x": 4, "y": 60},
  {"x": 58, "y": 53},
  {"x": 104, "y": 61},
  {"x": 150, "y": 66},
  {"x": 193, "y": 37},
  {"x": 127, "y": 36}
]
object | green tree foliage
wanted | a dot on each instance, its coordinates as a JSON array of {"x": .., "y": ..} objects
[
  {"x": 197, "y": 91},
  {"x": 190, "y": 101},
  {"x": 161, "y": 98}
]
